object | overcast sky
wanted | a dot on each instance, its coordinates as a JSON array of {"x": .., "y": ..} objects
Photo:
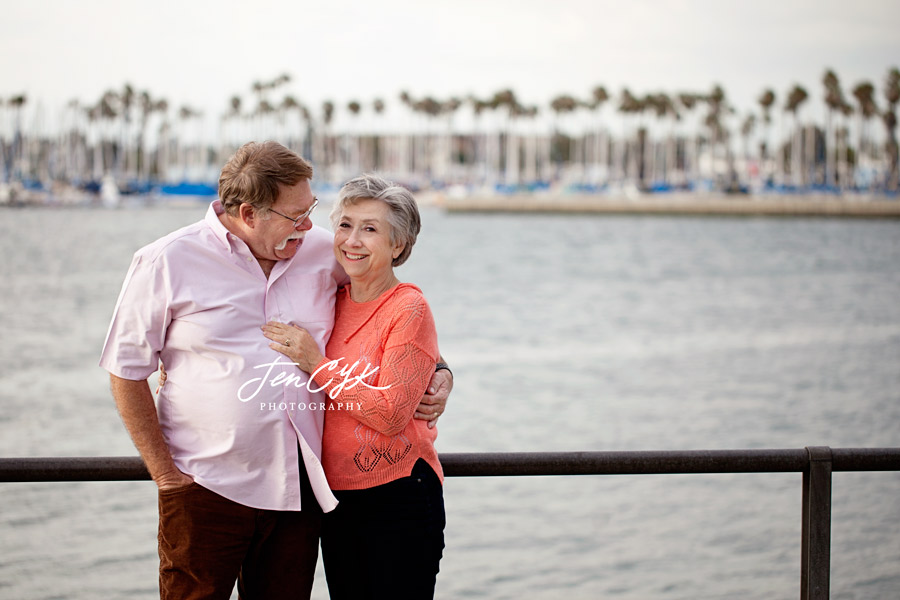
[{"x": 202, "y": 53}]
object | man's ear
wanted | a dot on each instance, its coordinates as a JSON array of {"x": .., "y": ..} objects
[{"x": 248, "y": 215}]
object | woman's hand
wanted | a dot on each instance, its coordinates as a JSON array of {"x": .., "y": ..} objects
[{"x": 294, "y": 342}]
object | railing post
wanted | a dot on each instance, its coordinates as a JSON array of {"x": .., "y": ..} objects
[{"x": 815, "y": 555}]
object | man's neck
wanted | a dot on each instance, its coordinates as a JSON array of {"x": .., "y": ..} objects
[
  {"x": 235, "y": 229},
  {"x": 266, "y": 264}
]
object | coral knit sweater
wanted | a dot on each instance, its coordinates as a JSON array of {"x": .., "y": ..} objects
[{"x": 370, "y": 435}]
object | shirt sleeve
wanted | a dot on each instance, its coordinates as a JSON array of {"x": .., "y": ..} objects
[
  {"x": 138, "y": 327},
  {"x": 387, "y": 401}
]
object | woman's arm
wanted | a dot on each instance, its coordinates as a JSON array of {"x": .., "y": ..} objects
[
  {"x": 388, "y": 397},
  {"x": 387, "y": 400}
]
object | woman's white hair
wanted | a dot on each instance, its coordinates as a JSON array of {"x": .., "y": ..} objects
[{"x": 403, "y": 213}]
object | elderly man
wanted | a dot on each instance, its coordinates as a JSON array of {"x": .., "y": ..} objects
[{"x": 234, "y": 439}]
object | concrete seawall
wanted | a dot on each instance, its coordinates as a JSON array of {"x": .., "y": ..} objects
[{"x": 681, "y": 204}]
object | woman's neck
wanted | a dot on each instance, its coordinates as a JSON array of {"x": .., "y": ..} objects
[{"x": 365, "y": 291}]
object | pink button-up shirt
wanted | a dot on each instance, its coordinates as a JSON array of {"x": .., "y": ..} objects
[{"x": 233, "y": 421}]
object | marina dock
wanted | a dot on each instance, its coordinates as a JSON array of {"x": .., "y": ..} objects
[{"x": 680, "y": 204}]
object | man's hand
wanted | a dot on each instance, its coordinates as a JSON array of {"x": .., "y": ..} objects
[
  {"x": 434, "y": 402},
  {"x": 172, "y": 480},
  {"x": 138, "y": 412}
]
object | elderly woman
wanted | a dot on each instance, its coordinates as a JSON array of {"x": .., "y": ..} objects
[{"x": 385, "y": 538}]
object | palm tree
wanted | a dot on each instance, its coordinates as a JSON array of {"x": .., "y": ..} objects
[
  {"x": 377, "y": 149},
  {"x": 796, "y": 97},
  {"x": 190, "y": 151},
  {"x": 106, "y": 112},
  {"x": 4, "y": 160},
  {"x": 231, "y": 122},
  {"x": 309, "y": 132},
  {"x": 629, "y": 147},
  {"x": 477, "y": 148},
  {"x": 844, "y": 168},
  {"x": 327, "y": 151},
  {"x": 264, "y": 109},
  {"x": 235, "y": 103},
  {"x": 447, "y": 148},
  {"x": 145, "y": 108},
  {"x": 352, "y": 140},
  {"x": 834, "y": 101},
  {"x": 660, "y": 171},
  {"x": 507, "y": 99},
  {"x": 766, "y": 101},
  {"x": 288, "y": 105},
  {"x": 16, "y": 103},
  {"x": 282, "y": 79},
  {"x": 747, "y": 127},
  {"x": 123, "y": 164},
  {"x": 689, "y": 101},
  {"x": 161, "y": 106},
  {"x": 865, "y": 96},
  {"x": 423, "y": 151},
  {"x": 405, "y": 141},
  {"x": 561, "y": 152},
  {"x": 717, "y": 109},
  {"x": 892, "y": 95},
  {"x": 532, "y": 153},
  {"x": 73, "y": 141},
  {"x": 599, "y": 97}
]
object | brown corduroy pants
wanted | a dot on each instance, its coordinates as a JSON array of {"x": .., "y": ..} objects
[{"x": 207, "y": 542}]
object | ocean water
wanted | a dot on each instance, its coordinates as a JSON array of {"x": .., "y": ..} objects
[{"x": 565, "y": 333}]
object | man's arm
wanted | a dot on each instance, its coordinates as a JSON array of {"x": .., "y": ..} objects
[
  {"x": 135, "y": 404},
  {"x": 434, "y": 402}
]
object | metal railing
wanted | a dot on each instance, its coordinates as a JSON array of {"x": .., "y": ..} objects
[{"x": 817, "y": 463}]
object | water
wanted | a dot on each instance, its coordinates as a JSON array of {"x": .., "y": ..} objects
[{"x": 564, "y": 333}]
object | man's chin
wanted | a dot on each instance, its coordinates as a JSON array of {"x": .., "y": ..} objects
[{"x": 289, "y": 249}]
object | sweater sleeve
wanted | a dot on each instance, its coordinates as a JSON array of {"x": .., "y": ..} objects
[{"x": 386, "y": 401}]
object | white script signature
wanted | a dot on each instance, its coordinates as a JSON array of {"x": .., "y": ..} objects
[{"x": 349, "y": 382}]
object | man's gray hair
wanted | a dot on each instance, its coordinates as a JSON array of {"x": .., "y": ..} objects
[{"x": 403, "y": 213}]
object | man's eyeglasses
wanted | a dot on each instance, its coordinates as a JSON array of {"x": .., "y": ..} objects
[{"x": 302, "y": 217}]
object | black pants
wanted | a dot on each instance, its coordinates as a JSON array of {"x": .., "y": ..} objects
[{"x": 386, "y": 541}]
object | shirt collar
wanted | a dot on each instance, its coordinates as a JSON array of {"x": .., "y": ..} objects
[
  {"x": 212, "y": 220},
  {"x": 222, "y": 234}
]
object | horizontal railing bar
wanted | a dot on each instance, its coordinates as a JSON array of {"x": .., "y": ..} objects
[
  {"x": 487, "y": 464},
  {"x": 623, "y": 463},
  {"x": 71, "y": 468},
  {"x": 865, "y": 459}
]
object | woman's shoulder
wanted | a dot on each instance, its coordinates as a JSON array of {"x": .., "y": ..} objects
[
  {"x": 410, "y": 308},
  {"x": 408, "y": 295}
]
